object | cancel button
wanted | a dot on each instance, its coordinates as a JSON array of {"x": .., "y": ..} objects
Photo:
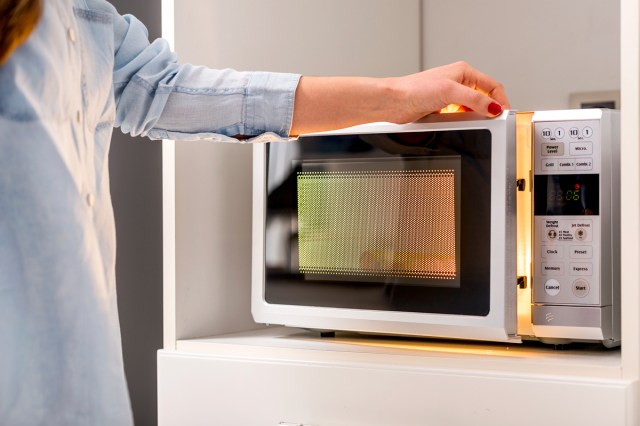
[{"x": 552, "y": 287}]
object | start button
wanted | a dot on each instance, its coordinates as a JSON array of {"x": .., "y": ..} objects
[{"x": 580, "y": 287}]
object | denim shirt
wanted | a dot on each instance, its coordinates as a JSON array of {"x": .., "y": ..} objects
[{"x": 84, "y": 70}]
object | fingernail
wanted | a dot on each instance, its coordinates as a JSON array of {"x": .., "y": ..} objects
[{"x": 494, "y": 108}]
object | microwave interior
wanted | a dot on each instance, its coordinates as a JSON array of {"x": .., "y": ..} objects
[{"x": 387, "y": 222}]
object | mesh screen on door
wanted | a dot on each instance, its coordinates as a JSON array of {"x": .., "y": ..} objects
[{"x": 378, "y": 223}]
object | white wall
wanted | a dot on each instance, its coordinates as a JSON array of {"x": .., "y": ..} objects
[
  {"x": 213, "y": 181},
  {"x": 351, "y": 37},
  {"x": 540, "y": 50}
]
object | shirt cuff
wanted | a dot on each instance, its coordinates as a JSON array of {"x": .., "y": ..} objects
[{"x": 269, "y": 103}]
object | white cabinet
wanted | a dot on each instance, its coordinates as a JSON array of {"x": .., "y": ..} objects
[
  {"x": 263, "y": 378},
  {"x": 220, "y": 368}
]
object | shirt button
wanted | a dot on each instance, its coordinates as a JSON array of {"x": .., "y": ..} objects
[
  {"x": 90, "y": 200},
  {"x": 78, "y": 116},
  {"x": 71, "y": 34}
]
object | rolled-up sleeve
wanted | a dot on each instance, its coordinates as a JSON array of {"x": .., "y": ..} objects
[{"x": 159, "y": 98}]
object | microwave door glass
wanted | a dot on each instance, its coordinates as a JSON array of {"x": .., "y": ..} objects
[
  {"x": 388, "y": 220},
  {"x": 384, "y": 221}
]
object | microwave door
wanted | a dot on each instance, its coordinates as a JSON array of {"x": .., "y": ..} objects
[{"x": 385, "y": 232}]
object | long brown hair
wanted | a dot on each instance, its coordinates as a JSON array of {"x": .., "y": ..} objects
[{"x": 17, "y": 19}]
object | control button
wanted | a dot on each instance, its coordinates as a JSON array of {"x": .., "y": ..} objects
[
  {"x": 584, "y": 164},
  {"x": 558, "y": 133},
  {"x": 581, "y": 252},
  {"x": 566, "y": 164},
  {"x": 581, "y": 269},
  {"x": 546, "y": 133},
  {"x": 552, "y": 287},
  {"x": 549, "y": 165},
  {"x": 581, "y": 148},
  {"x": 581, "y": 234},
  {"x": 552, "y": 268},
  {"x": 90, "y": 200},
  {"x": 580, "y": 287},
  {"x": 71, "y": 34},
  {"x": 551, "y": 252},
  {"x": 587, "y": 132},
  {"x": 574, "y": 132},
  {"x": 552, "y": 149},
  {"x": 552, "y": 234}
]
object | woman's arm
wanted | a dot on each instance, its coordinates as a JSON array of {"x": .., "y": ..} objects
[{"x": 324, "y": 103}]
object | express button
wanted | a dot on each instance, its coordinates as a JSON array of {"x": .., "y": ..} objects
[{"x": 581, "y": 269}]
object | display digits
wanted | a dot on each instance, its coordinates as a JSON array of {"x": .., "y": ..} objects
[
  {"x": 568, "y": 195},
  {"x": 572, "y": 195}
]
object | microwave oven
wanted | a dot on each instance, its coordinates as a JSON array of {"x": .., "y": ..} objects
[{"x": 456, "y": 226}]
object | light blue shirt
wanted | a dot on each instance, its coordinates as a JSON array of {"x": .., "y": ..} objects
[{"x": 83, "y": 71}]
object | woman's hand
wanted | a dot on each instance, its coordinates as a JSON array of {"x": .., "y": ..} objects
[
  {"x": 326, "y": 103},
  {"x": 455, "y": 84}
]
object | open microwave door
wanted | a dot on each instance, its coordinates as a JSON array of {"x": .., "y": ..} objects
[{"x": 400, "y": 229}]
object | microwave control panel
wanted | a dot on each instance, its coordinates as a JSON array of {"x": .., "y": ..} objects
[{"x": 567, "y": 221}]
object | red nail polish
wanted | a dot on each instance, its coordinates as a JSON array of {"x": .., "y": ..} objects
[{"x": 494, "y": 108}]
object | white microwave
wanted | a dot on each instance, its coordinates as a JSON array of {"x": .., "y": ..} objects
[{"x": 458, "y": 226}]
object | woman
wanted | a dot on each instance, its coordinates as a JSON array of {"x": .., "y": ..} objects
[{"x": 72, "y": 70}]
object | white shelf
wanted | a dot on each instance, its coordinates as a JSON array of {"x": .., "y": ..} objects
[{"x": 295, "y": 345}]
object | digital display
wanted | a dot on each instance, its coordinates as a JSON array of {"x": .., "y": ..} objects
[{"x": 567, "y": 195}]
